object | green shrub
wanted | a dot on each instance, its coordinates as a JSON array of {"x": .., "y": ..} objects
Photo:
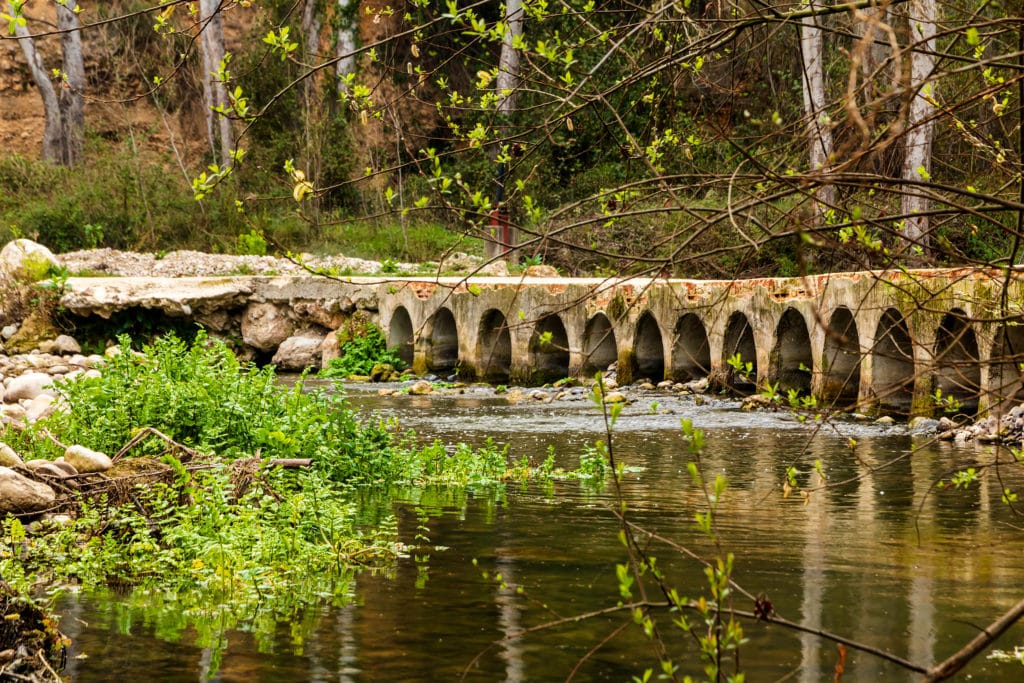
[
  {"x": 203, "y": 397},
  {"x": 361, "y": 354}
]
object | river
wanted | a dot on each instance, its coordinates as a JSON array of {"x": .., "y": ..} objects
[{"x": 880, "y": 556}]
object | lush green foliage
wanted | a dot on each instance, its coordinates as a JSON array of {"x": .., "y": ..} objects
[
  {"x": 201, "y": 396},
  {"x": 217, "y": 541},
  {"x": 360, "y": 354}
]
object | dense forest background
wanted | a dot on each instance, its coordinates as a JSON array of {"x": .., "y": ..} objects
[{"x": 697, "y": 138}]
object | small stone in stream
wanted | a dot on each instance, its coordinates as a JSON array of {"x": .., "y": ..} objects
[
  {"x": 615, "y": 397},
  {"x": 697, "y": 386},
  {"x": 646, "y": 386},
  {"x": 86, "y": 460},
  {"x": 885, "y": 420},
  {"x": 381, "y": 372},
  {"x": 421, "y": 388},
  {"x": 666, "y": 384},
  {"x": 538, "y": 395}
]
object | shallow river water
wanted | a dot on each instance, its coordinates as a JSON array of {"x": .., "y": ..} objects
[{"x": 879, "y": 556}]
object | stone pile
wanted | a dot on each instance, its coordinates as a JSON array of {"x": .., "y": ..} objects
[
  {"x": 29, "y": 391},
  {"x": 1008, "y": 429}
]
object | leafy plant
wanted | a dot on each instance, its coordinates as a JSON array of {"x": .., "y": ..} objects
[{"x": 361, "y": 354}]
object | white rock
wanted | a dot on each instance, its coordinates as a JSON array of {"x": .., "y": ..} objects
[
  {"x": 330, "y": 348},
  {"x": 21, "y": 495},
  {"x": 299, "y": 352},
  {"x": 265, "y": 326},
  {"x": 13, "y": 412},
  {"x": 24, "y": 257},
  {"x": 86, "y": 460},
  {"x": 66, "y": 345},
  {"x": 28, "y": 386},
  {"x": 8, "y": 458},
  {"x": 41, "y": 406},
  {"x": 8, "y": 331}
]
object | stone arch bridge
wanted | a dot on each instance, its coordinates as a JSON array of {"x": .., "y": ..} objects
[{"x": 885, "y": 341}]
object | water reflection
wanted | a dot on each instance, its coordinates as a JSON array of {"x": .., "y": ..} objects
[{"x": 879, "y": 555}]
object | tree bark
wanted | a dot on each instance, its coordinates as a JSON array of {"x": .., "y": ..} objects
[
  {"x": 215, "y": 92},
  {"x": 819, "y": 132},
  {"x": 346, "y": 40},
  {"x": 508, "y": 64},
  {"x": 51, "y": 105},
  {"x": 71, "y": 98},
  {"x": 917, "y": 142}
]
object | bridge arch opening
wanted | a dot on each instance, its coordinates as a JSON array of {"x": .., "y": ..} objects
[
  {"x": 400, "y": 335},
  {"x": 549, "y": 350},
  {"x": 957, "y": 365},
  {"x": 599, "y": 347},
  {"x": 648, "y": 349},
  {"x": 691, "y": 353},
  {"x": 841, "y": 366},
  {"x": 739, "y": 350},
  {"x": 1006, "y": 376},
  {"x": 791, "y": 359},
  {"x": 495, "y": 347},
  {"x": 893, "y": 363},
  {"x": 443, "y": 352}
]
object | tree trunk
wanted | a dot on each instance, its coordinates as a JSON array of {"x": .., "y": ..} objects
[
  {"x": 502, "y": 235},
  {"x": 215, "y": 92},
  {"x": 917, "y": 142},
  {"x": 508, "y": 64},
  {"x": 819, "y": 131},
  {"x": 51, "y": 105},
  {"x": 71, "y": 99},
  {"x": 346, "y": 39}
]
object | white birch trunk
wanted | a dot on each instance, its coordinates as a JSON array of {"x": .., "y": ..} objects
[
  {"x": 71, "y": 98},
  {"x": 508, "y": 64},
  {"x": 819, "y": 132},
  {"x": 51, "y": 106},
  {"x": 346, "y": 42},
  {"x": 917, "y": 142},
  {"x": 311, "y": 29},
  {"x": 218, "y": 127}
]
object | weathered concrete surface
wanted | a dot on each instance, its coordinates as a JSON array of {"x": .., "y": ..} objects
[{"x": 886, "y": 340}]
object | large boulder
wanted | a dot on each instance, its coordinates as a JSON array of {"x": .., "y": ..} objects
[
  {"x": 20, "y": 495},
  {"x": 265, "y": 326},
  {"x": 86, "y": 460},
  {"x": 26, "y": 387},
  {"x": 299, "y": 352},
  {"x": 26, "y": 260}
]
